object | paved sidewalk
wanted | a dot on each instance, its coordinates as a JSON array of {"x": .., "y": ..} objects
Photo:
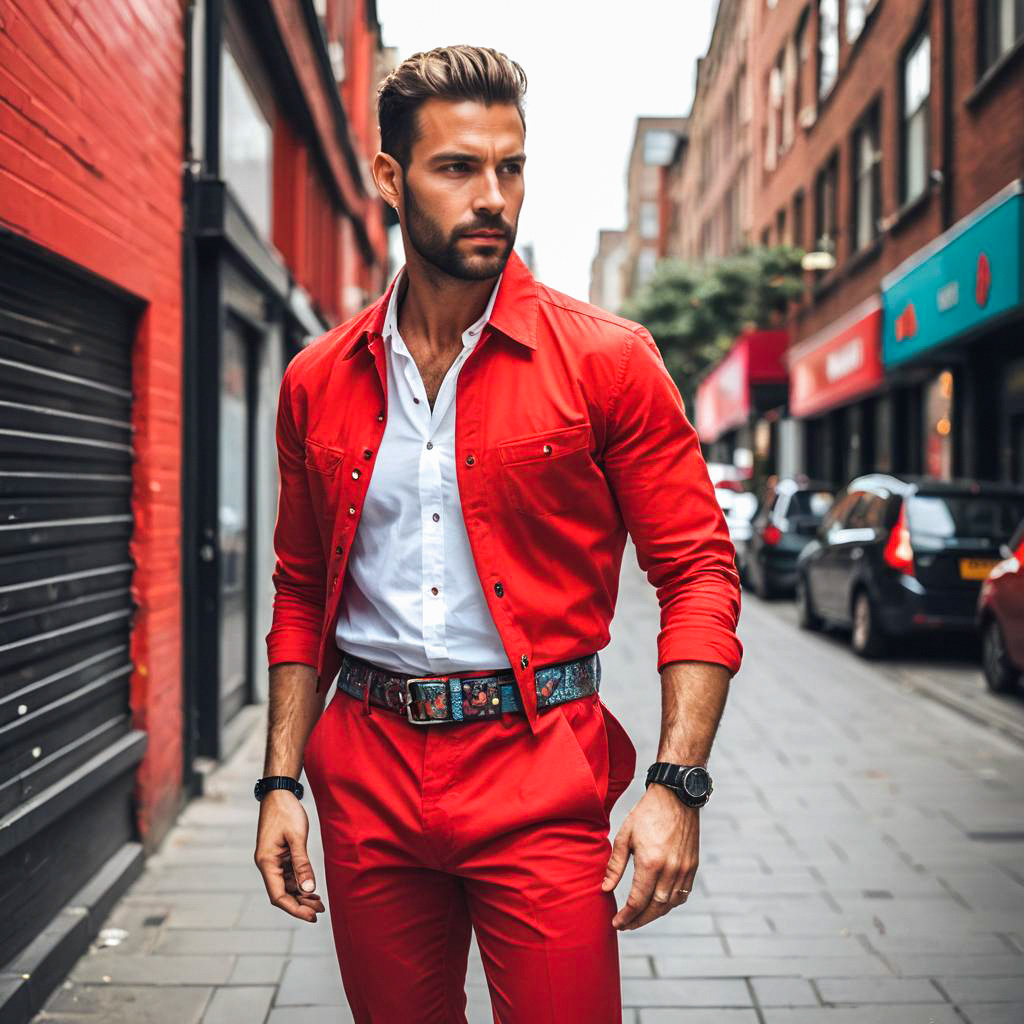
[{"x": 863, "y": 863}]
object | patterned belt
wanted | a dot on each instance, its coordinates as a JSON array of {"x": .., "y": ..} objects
[{"x": 433, "y": 700}]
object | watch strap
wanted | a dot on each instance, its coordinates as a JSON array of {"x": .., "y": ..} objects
[
  {"x": 269, "y": 782},
  {"x": 672, "y": 775}
]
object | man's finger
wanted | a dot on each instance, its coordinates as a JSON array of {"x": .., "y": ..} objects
[
  {"x": 661, "y": 897},
  {"x": 617, "y": 861},
  {"x": 273, "y": 878},
  {"x": 645, "y": 875},
  {"x": 301, "y": 868}
]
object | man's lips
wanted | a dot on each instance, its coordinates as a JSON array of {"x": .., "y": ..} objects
[{"x": 484, "y": 234}]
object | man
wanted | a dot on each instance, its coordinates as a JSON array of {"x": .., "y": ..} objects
[{"x": 460, "y": 464}]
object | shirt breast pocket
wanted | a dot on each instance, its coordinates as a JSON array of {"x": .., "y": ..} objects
[
  {"x": 547, "y": 473},
  {"x": 322, "y": 465}
]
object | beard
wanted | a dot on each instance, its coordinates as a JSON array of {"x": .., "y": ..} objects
[{"x": 442, "y": 252}]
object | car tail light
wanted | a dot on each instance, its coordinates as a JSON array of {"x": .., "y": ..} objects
[
  {"x": 771, "y": 535},
  {"x": 898, "y": 553}
]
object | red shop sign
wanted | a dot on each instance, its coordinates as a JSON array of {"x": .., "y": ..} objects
[
  {"x": 838, "y": 364},
  {"x": 724, "y": 396}
]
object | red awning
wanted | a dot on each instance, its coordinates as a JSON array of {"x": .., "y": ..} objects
[
  {"x": 724, "y": 396},
  {"x": 838, "y": 364}
]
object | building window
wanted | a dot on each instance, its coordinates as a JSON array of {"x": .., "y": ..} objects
[
  {"x": 867, "y": 181},
  {"x": 917, "y": 74},
  {"x": 659, "y": 145},
  {"x": 826, "y": 187},
  {"x": 646, "y": 261},
  {"x": 780, "y": 227},
  {"x": 742, "y": 96},
  {"x": 766, "y": 237},
  {"x": 856, "y": 15},
  {"x": 801, "y": 47},
  {"x": 789, "y": 77},
  {"x": 828, "y": 45},
  {"x": 730, "y": 124},
  {"x": 246, "y": 144},
  {"x": 798, "y": 219},
  {"x": 1000, "y": 25},
  {"x": 648, "y": 220}
]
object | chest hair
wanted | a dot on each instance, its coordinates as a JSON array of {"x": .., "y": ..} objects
[{"x": 433, "y": 367}]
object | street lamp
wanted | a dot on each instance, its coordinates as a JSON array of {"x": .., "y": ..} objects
[{"x": 822, "y": 258}]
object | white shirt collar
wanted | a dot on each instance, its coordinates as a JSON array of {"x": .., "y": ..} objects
[{"x": 470, "y": 335}]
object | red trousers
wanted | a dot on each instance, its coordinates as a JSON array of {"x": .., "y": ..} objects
[{"x": 429, "y": 831}]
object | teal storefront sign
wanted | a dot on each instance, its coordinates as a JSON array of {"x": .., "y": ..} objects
[{"x": 971, "y": 274}]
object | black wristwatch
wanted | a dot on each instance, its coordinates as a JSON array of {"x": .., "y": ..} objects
[
  {"x": 690, "y": 782},
  {"x": 265, "y": 785}
]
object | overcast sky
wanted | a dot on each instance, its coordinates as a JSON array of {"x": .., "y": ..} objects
[{"x": 592, "y": 68}]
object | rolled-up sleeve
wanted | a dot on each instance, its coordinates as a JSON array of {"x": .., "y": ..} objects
[
  {"x": 300, "y": 567},
  {"x": 653, "y": 462}
]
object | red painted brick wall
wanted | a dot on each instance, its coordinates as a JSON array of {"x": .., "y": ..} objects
[{"x": 90, "y": 167}]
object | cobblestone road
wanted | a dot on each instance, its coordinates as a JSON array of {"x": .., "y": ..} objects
[{"x": 863, "y": 861}]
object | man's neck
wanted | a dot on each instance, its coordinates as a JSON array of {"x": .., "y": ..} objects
[{"x": 435, "y": 308}]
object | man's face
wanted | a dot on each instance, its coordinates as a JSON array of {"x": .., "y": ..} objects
[{"x": 464, "y": 187}]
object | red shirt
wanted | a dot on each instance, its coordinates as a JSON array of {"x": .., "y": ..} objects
[{"x": 569, "y": 433}]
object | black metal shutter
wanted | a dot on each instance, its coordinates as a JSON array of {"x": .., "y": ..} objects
[{"x": 67, "y": 751}]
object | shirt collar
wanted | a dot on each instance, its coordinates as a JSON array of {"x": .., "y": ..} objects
[{"x": 513, "y": 313}]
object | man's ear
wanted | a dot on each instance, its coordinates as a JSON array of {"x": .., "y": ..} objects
[{"x": 387, "y": 175}]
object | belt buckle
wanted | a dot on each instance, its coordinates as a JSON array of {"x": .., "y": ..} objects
[{"x": 407, "y": 693}]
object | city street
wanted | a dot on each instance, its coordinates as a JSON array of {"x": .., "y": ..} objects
[{"x": 862, "y": 862}]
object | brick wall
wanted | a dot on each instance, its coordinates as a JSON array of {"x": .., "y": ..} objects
[
  {"x": 988, "y": 136},
  {"x": 90, "y": 168}
]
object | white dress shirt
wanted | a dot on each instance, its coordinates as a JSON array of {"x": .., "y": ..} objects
[{"x": 412, "y": 601}]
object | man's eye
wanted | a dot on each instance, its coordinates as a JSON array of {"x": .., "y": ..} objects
[
  {"x": 514, "y": 168},
  {"x": 457, "y": 167}
]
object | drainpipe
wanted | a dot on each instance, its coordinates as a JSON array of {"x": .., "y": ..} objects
[{"x": 948, "y": 129}]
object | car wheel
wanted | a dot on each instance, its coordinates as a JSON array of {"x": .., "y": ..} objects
[
  {"x": 763, "y": 585},
  {"x": 867, "y": 638},
  {"x": 1001, "y": 674},
  {"x": 806, "y": 616}
]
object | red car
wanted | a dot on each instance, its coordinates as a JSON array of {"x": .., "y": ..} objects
[{"x": 1001, "y": 617}]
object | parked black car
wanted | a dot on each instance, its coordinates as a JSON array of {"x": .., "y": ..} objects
[
  {"x": 897, "y": 555},
  {"x": 786, "y": 521}
]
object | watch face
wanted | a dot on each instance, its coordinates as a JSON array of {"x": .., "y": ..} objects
[{"x": 697, "y": 783}]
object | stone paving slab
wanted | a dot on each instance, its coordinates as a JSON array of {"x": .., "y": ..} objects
[{"x": 852, "y": 866}]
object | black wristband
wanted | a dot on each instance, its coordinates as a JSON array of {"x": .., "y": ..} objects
[{"x": 269, "y": 782}]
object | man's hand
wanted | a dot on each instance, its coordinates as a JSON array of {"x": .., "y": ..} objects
[
  {"x": 664, "y": 835},
  {"x": 281, "y": 856}
]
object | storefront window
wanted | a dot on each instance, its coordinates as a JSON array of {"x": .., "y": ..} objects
[
  {"x": 234, "y": 519},
  {"x": 246, "y": 145},
  {"x": 938, "y": 426},
  {"x": 883, "y": 434}
]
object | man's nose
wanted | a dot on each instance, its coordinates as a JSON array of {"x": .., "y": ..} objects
[{"x": 489, "y": 197}]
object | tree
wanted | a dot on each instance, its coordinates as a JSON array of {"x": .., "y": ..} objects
[{"x": 696, "y": 312}]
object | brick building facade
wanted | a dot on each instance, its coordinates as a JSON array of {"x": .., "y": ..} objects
[
  {"x": 881, "y": 126},
  {"x": 886, "y": 139},
  {"x": 184, "y": 204}
]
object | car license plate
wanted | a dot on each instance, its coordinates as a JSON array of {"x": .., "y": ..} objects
[{"x": 976, "y": 568}]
